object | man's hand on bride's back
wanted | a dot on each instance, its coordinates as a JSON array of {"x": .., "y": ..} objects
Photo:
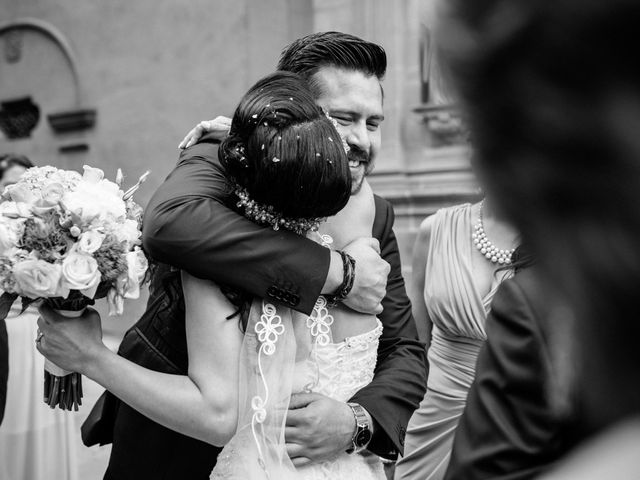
[
  {"x": 317, "y": 428},
  {"x": 219, "y": 126},
  {"x": 370, "y": 284}
]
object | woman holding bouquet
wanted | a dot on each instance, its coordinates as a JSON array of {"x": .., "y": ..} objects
[
  {"x": 247, "y": 356},
  {"x": 36, "y": 442}
]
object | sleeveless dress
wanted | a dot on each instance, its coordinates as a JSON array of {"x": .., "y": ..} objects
[
  {"x": 337, "y": 370},
  {"x": 36, "y": 442},
  {"x": 458, "y": 313}
]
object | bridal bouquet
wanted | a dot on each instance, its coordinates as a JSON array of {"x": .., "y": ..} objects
[{"x": 69, "y": 239}]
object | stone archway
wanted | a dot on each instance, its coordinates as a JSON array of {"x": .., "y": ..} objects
[{"x": 39, "y": 79}]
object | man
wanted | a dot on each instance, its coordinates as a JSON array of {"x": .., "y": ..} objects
[{"x": 191, "y": 224}]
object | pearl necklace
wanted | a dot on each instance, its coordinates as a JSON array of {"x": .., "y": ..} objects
[{"x": 486, "y": 248}]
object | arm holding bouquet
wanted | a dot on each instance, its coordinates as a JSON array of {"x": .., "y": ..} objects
[{"x": 202, "y": 404}]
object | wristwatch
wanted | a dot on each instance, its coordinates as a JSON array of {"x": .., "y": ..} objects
[{"x": 362, "y": 435}]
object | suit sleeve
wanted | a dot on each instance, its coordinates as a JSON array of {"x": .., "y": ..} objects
[
  {"x": 190, "y": 224},
  {"x": 400, "y": 379},
  {"x": 507, "y": 430}
]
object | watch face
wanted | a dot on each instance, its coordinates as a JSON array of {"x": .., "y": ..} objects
[{"x": 363, "y": 437}]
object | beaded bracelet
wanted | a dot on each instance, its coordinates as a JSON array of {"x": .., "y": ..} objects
[{"x": 348, "y": 277}]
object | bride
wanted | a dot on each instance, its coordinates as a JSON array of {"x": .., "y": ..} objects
[{"x": 246, "y": 355}]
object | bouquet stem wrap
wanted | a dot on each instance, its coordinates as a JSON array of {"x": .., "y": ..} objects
[{"x": 63, "y": 389}]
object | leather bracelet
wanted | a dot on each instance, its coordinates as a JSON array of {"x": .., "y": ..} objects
[{"x": 348, "y": 278}]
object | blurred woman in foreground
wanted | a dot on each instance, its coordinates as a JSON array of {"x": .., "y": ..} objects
[{"x": 553, "y": 94}]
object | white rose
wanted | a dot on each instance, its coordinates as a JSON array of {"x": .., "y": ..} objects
[
  {"x": 136, "y": 268},
  {"x": 95, "y": 202},
  {"x": 15, "y": 210},
  {"x": 129, "y": 232},
  {"x": 90, "y": 241},
  {"x": 52, "y": 193},
  {"x": 37, "y": 278},
  {"x": 110, "y": 188},
  {"x": 20, "y": 193},
  {"x": 10, "y": 233},
  {"x": 92, "y": 175},
  {"x": 80, "y": 272}
]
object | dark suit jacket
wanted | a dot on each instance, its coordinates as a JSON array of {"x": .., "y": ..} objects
[
  {"x": 4, "y": 366},
  {"x": 191, "y": 224},
  {"x": 508, "y": 430}
]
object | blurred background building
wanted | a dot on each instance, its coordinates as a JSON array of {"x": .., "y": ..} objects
[{"x": 118, "y": 84}]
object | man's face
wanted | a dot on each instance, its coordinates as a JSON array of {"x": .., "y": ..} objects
[{"x": 354, "y": 100}]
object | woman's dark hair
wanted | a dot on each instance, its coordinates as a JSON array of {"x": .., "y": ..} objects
[
  {"x": 9, "y": 160},
  {"x": 308, "y": 54},
  {"x": 285, "y": 152},
  {"x": 552, "y": 93}
]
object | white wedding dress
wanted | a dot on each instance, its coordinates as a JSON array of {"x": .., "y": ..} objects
[{"x": 337, "y": 370}]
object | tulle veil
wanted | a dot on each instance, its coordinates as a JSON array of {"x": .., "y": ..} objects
[{"x": 267, "y": 363}]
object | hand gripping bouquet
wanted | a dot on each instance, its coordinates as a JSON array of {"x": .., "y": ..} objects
[{"x": 69, "y": 239}]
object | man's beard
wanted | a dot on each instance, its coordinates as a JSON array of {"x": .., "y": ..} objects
[{"x": 359, "y": 172}]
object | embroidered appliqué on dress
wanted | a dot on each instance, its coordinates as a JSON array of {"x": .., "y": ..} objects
[
  {"x": 269, "y": 328},
  {"x": 320, "y": 321}
]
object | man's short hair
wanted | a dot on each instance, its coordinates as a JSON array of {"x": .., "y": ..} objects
[{"x": 308, "y": 54}]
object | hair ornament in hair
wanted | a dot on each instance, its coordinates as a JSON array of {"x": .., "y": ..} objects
[
  {"x": 240, "y": 151},
  {"x": 267, "y": 215}
]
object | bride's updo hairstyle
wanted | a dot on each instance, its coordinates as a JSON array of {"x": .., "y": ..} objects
[{"x": 285, "y": 152}]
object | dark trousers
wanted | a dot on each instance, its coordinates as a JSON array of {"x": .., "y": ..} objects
[
  {"x": 143, "y": 448},
  {"x": 4, "y": 366}
]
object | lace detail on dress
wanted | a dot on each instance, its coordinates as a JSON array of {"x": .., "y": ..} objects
[
  {"x": 344, "y": 368},
  {"x": 268, "y": 329},
  {"x": 364, "y": 340},
  {"x": 320, "y": 321},
  {"x": 337, "y": 370}
]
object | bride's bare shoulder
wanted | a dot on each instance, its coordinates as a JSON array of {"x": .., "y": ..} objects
[{"x": 204, "y": 293}]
